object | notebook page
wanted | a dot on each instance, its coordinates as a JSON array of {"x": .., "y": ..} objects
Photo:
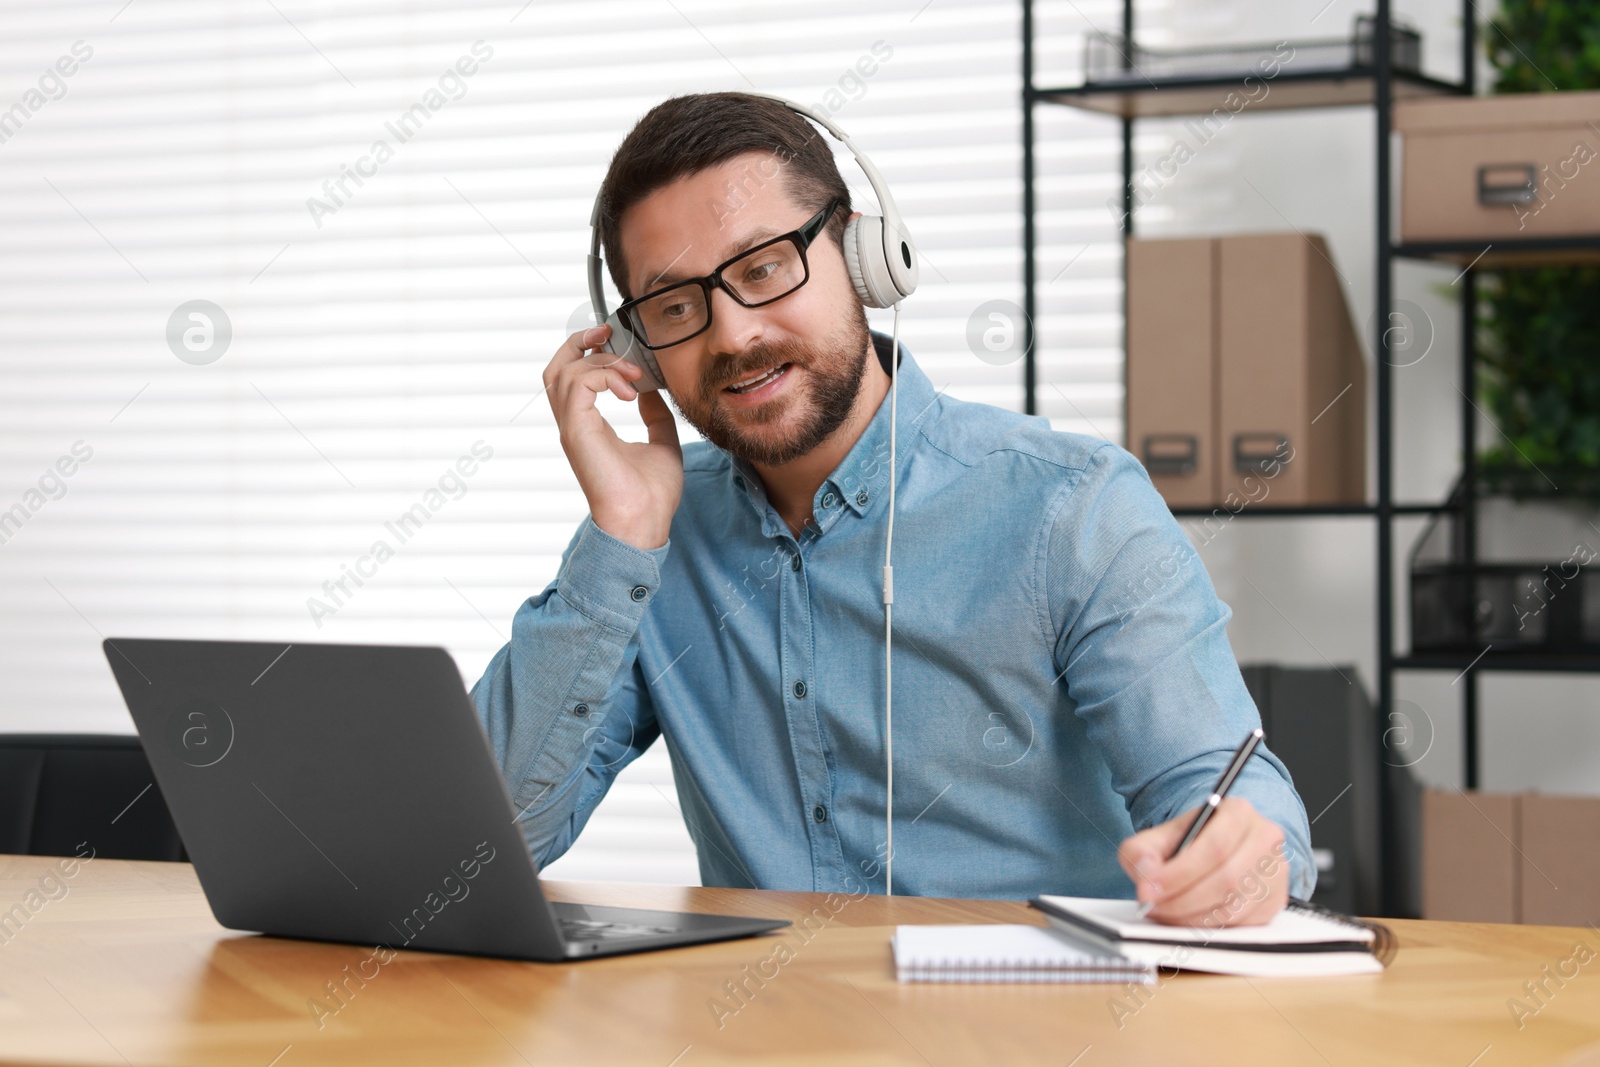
[
  {"x": 995, "y": 945},
  {"x": 1288, "y": 927}
]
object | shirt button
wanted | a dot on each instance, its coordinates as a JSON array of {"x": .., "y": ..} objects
[
  {"x": 799, "y": 690},
  {"x": 828, "y": 500},
  {"x": 639, "y": 593},
  {"x": 794, "y": 562},
  {"x": 819, "y": 813},
  {"x": 580, "y": 710},
  {"x": 862, "y": 498}
]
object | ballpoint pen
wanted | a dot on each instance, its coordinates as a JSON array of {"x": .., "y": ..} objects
[{"x": 1209, "y": 808}]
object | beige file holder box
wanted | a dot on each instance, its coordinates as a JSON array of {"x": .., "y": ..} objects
[
  {"x": 1171, "y": 370},
  {"x": 1291, "y": 380}
]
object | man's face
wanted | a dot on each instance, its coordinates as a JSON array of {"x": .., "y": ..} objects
[{"x": 815, "y": 338}]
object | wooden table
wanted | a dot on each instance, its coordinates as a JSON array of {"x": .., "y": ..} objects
[{"x": 130, "y": 967}]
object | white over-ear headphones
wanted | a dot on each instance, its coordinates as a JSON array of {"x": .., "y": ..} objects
[{"x": 878, "y": 253}]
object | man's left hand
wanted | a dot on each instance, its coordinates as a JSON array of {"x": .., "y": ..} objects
[{"x": 1234, "y": 873}]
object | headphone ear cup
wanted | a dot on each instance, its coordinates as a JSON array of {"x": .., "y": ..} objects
[
  {"x": 625, "y": 346},
  {"x": 864, "y": 260},
  {"x": 904, "y": 270}
]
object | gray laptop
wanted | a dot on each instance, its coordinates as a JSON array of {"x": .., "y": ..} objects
[{"x": 348, "y": 793}]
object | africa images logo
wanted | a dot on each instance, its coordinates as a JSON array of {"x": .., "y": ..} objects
[{"x": 201, "y": 732}]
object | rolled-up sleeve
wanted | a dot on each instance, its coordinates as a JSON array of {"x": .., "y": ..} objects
[
  {"x": 1141, "y": 641},
  {"x": 561, "y": 702}
]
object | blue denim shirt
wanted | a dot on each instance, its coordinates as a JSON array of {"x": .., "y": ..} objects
[{"x": 1062, "y": 672}]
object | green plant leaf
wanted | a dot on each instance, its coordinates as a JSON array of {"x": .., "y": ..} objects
[{"x": 1539, "y": 328}]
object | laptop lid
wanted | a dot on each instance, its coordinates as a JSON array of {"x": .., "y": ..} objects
[{"x": 337, "y": 792}]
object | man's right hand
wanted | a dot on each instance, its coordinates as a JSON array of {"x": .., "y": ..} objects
[{"x": 632, "y": 487}]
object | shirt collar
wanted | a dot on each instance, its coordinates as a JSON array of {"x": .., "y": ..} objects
[
  {"x": 862, "y": 478},
  {"x": 860, "y": 482}
]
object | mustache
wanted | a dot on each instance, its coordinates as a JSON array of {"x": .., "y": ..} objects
[{"x": 729, "y": 369}]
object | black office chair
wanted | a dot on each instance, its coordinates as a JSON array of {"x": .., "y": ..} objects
[{"x": 59, "y": 792}]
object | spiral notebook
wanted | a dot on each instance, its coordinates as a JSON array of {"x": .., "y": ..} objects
[
  {"x": 1006, "y": 954},
  {"x": 1302, "y": 939}
]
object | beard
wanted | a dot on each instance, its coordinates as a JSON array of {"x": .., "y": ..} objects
[{"x": 817, "y": 404}]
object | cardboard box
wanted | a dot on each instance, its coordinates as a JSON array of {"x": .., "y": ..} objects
[
  {"x": 1560, "y": 862},
  {"x": 1469, "y": 856},
  {"x": 1246, "y": 384},
  {"x": 1292, "y": 388},
  {"x": 1171, "y": 416},
  {"x": 1518, "y": 165}
]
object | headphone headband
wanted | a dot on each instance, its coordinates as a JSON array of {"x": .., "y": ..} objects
[{"x": 880, "y": 188}]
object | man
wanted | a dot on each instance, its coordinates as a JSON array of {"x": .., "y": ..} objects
[{"x": 1065, "y": 693}]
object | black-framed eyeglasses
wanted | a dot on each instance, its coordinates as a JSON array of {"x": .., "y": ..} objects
[{"x": 768, "y": 272}]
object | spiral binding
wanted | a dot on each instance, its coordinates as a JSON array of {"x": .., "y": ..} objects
[{"x": 1384, "y": 943}]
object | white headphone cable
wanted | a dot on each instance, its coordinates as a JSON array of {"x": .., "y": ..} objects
[{"x": 888, "y": 617}]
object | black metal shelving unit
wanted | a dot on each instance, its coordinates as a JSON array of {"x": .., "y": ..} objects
[{"x": 1376, "y": 87}]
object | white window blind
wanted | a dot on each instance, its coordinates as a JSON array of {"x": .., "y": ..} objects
[{"x": 388, "y": 203}]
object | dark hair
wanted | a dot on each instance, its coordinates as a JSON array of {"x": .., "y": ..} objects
[{"x": 686, "y": 134}]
